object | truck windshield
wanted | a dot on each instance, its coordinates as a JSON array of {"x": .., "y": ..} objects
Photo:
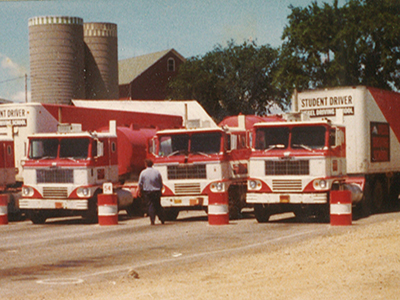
[
  {"x": 74, "y": 148},
  {"x": 272, "y": 137},
  {"x": 173, "y": 144},
  {"x": 207, "y": 142},
  {"x": 310, "y": 137},
  {"x": 43, "y": 148},
  {"x": 69, "y": 148},
  {"x": 201, "y": 143}
]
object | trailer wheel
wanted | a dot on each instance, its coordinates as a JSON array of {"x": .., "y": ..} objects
[
  {"x": 394, "y": 192},
  {"x": 37, "y": 217},
  {"x": 261, "y": 213},
  {"x": 378, "y": 196},
  {"x": 365, "y": 205}
]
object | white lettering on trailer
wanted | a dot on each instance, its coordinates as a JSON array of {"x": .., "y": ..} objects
[
  {"x": 13, "y": 116},
  {"x": 328, "y": 112},
  {"x": 326, "y": 102}
]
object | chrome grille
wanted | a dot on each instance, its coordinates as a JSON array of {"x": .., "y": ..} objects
[
  {"x": 187, "y": 188},
  {"x": 287, "y": 167},
  {"x": 55, "y": 192},
  {"x": 286, "y": 185},
  {"x": 55, "y": 176},
  {"x": 187, "y": 172}
]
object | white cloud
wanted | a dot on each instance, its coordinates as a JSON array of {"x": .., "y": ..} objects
[
  {"x": 20, "y": 96},
  {"x": 12, "y": 82},
  {"x": 11, "y": 67}
]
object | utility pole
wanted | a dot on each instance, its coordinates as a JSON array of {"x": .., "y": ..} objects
[{"x": 26, "y": 88}]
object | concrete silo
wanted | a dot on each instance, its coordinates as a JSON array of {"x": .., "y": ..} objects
[
  {"x": 101, "y": 61},
  {"x": 56, "y": 50}
]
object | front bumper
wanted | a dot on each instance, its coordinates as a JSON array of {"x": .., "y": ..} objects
[
  {"x": 184, "y": 201},
  {"x": 287, "y": 198},
  {"x": 68, "y": 204}
]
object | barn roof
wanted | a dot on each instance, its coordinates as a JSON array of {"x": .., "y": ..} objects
[{"x": 131, "y": 68}]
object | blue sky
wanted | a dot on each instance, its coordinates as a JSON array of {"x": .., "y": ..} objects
[{"x": 191, "y": 27}]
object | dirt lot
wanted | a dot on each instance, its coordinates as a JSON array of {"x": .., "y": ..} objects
[{"x": 360, "y": 262}]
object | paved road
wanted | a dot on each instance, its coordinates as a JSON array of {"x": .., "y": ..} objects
[{"x": 68, "y": 251}]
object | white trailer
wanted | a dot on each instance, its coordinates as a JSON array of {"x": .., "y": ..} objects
[{"x": 371, "y": 117}]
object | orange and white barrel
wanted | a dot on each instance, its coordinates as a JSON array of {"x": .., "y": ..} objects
[
  {"x": 3, "y": 209},
  {"x": 340, "y": 208},
  {"x": 218, "y": 209},
  {"x": 107, "y": 206}
]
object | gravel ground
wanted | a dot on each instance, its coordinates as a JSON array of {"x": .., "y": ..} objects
[{"x": 360, "y": 262}]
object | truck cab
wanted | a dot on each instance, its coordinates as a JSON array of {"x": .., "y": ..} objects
[
  {"x": 64, "y": 172},
  {"x": 197, "y": 162},
  {"x": 294, "y": 165}
]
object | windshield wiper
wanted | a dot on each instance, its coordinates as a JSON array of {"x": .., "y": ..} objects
[
  {"x": 176, "y": 152},
  {"x": 277, "y": 146},
  {"x": 201, "y": 153},
  {"x": 302, "y": 146}
]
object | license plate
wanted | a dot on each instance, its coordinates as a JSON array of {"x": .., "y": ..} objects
[
  {"x": 177, "y": 201},
  {"x": 59, "y": 205},
  {"x": 284, "y": 198}
]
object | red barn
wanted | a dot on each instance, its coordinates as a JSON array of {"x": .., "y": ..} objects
[{"x": 146, "y": 77}]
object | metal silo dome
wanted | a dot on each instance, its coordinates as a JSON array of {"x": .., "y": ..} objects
[
  {"x": 56, "y": 50},
  {"x": 101, "y": 61}
]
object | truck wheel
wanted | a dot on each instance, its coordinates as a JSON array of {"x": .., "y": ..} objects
[
  {"x": 37, "y": 217},
  {"x": 236, "y": 201},
  {"x": 171, "y": 214},
  {"x": 366, "y": 205},
  {"x": 261, "y": 213},
  {"x": 91, "y": 215},
  {"x": 136, "y": 209},
  {"x": 394, "y": 192},
  {"x": 378, "y": 196}
]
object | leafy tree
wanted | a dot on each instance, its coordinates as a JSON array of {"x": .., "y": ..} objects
[
  {"x": 231, "y": 80},
  {"x": 358, "y": 43}
]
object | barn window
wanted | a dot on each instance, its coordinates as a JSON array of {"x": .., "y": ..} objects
[{"x": 171, "y": 64}]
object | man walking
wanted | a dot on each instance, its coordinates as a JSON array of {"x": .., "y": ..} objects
[{"x": 150, "y": 185}]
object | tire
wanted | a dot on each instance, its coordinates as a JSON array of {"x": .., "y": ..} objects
[
  {"x": 91, "y": 215},
  {"x": 136, "y": 209},
  {"x": 379, "y": 195},
  {"x": 171, "y": 214},
  {"x": 394, "y": 192},
  {"x": 366, "y": 203},
  {"x": 261, "y": 213},
  {"x": 37, "y": 218},
  {"x": 236, "y": 202}
]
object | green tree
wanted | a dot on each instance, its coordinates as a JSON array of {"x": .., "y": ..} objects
[
  {"x": 329, "y": 45},
  {"x": 231, "y": 80}
]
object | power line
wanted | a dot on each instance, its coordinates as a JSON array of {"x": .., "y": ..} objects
[{"x": 12, "y": 79}]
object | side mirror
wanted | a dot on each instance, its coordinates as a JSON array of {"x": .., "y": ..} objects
[{"x": 100, "y": 149}]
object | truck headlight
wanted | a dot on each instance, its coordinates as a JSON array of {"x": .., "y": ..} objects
[
  {"x": 217, "y": 187},
  {"x": 83, "y": 192},
  {"x": 27, "y": 191},
  {"x": 254, "y": 184},
  {"x": 320, "y": 184}
]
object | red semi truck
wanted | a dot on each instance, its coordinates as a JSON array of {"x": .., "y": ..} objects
[
  {"x": 18, "y": 121},
  {"x": 371, "y": 118},
  {"x": 345, "y": 137},
  {"x": 294, "y": 165},
  {"x": 65, "y": 171}
]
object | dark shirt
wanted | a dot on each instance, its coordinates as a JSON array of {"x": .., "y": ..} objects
[{"x": 150, "y": 180}]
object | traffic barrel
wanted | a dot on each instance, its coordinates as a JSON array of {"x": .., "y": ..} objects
[
  {"x": 218, "y": 209},
  {"x": 3, "y": 209},
  {"x": 107, "y": 205},
  {"x": 340, "y": 208}
]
